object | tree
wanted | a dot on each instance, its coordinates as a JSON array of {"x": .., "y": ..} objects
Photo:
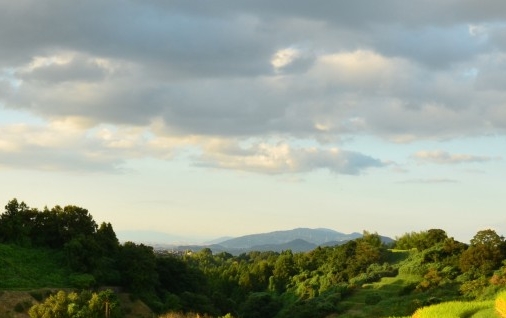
[
  {"x": 485, "y": 253},
  {"x": 284, "y": 269},
  {"x": 137, "y": 265},
  {"x": 16, "y": 223},
  {"x": 75, "y": 221},
  {"x": 108, "y": 247},
  {"x": 105, "y": 304},
  {"x": 421, "y": 240}
]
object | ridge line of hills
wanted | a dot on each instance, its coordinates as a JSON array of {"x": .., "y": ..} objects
[{"x": 297, "y": 240}]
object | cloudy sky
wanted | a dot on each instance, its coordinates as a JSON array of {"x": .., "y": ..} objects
[{"x": 212, "y": 118}]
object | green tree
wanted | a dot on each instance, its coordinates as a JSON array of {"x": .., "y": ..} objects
[
  {"x": 260, "y": 305},
  {"x": 420, "y": 240},
  {"x": 105, "y": 304},
  {"x": 16, "y": 223},
  {"x": 484, "y": 254},
  {"x": 283, "y": 270},
  {"x": 137, "y": 265},
  {"x": 108, "y": 247}
]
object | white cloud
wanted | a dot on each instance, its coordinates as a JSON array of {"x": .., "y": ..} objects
[
  {"x": 284, "y": 57},
  {"x": 282, "y": 158},
  {"x": 478, "y": 30},
  {"x": 430, "y": 181},
  {"x": 443, "y": 157}
]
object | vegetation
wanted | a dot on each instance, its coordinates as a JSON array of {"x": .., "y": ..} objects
[
  {"x": 458, "y": 309},
  {"x": 65, "y": 248},
  {"x": 84, "y": 304}
]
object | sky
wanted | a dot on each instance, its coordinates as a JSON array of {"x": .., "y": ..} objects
[{"x": 203, "y": 119}]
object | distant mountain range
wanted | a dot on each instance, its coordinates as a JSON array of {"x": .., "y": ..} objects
[
  {"x": 314, "y": 236},
  {"x": 297, "y": 240}
]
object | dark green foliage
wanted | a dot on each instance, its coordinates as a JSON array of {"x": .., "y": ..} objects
[
  {"x": 372, "y": 299},
  {"x": 39, "y": 295},
  {"x": 198, "y": 303},
  {"x": 16, "y": 223},
  {"x": 23, "y": 267},
  {"x": 260, "y": 305},
  {"x": 321, "y": 306},
  {"x": 86, "y": 247},
  {"x": 137, "y": 265},
  {"x": 407, "y": 289},
  {"x": 82, "y": 281}
]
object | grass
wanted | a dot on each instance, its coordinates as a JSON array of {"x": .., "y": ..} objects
[
  {"x": 500, "y": 304},
  {"x": 466, "y": 309},
  {"x": 392, "y": 296},
  {"x": 28, "y": 268},
  {"x": 458, "y": 309}
]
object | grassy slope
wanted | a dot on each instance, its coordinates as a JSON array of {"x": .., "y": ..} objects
[
  {"x": 27, "y": 268},
  {"x": 392, "y": 302},
  {"x": 397, "y": 295},
  {"x": 25, "y": 272},
  {"x": 470, "y": 309}
]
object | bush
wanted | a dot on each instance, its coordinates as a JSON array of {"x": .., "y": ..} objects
[
  {"x": 407, "y": 289},
  {"x": 40, "y": 295},
  {"x": 82, "y": 281},
  {"x": 372, "y": 299}
]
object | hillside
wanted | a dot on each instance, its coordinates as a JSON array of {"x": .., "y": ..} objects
[
  {"x": 63, "y": 249},
  {"x": 22, "y": 267}
]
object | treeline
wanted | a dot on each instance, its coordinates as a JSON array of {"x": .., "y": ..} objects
[{"x": 264, "y": 284}]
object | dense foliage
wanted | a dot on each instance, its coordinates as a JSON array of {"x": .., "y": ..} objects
[
  {"x": 78, "y": 305},
  {"x": 362, "y": 275}
]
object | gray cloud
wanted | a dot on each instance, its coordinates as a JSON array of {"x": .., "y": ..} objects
[{"x": 292, "y": 70}]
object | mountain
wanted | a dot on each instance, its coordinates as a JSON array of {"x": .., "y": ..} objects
[
  {"x": 317, "y": 237},
  {"x": 218, "y": 240},
  {"x": 297, "y": 245},
  {"x": 297, "y": 240}
]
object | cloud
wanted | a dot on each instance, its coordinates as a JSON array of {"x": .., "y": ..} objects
[
  {"x": 256, "y": 71},
  {"x": 443, "y": 157},
  {"x": 429, "y": 181},
  {"x": 53, "y": 149},
  {"x": 282, "y": 158}
]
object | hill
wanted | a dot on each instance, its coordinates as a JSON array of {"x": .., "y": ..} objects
[
  {"x": 314, "y": 236},
  {"x": 296, "y": 240}
]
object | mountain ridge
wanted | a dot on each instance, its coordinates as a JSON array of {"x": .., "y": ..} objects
[
  {"x": 316, "y": 236},
  {"x": 297, "y": 240}
]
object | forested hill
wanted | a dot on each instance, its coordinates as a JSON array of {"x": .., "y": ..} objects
[{"x": 64, "y": 248}]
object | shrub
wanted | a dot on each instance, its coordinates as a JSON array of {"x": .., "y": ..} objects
[
  {"x": 372, "y": 299},
  {"x": 82, "y": 281},
  {"x": 40, "y": 295}
]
